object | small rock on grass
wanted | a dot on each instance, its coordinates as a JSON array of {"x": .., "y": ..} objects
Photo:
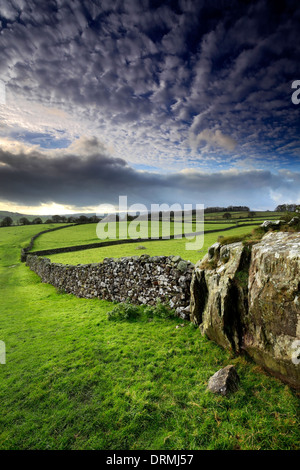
[{"x": 224, "y": 381}]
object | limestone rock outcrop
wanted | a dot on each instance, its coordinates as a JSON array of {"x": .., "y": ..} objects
[
  {"x": 272, "y": 224},
  {"x": 218, "y": 293},
  {"x": 294, "y": 221},
  {"x": 273, "y": 322},
  {"x": 251, "y": 301}
]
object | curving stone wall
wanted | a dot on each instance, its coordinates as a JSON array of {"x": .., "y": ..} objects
[
  {"x": 26, "y": 249},
  {"x": 142, "y": 280}
]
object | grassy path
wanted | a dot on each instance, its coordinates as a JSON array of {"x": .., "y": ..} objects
[{"x": 74, "y": 380}]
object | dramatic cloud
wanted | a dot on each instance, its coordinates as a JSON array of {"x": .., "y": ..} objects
[
  {"x": 164, "y": 85},
  {"x": 93, "y": 177}
]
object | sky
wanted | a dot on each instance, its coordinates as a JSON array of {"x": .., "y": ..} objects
[{"x": 186, "y": 101}]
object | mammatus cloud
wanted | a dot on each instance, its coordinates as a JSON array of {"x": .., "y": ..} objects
[{"x": 92, "y": 177}]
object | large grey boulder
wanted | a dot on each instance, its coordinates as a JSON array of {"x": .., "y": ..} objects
[
  {"x": 213, "y": 250},
  {"x": 272, "y": 224},
  {"x": 218, "y": 294},
  {"x": 272, "y": 325},
  {"x": 294, "y": 221},
  {"x": 252, "y": 303}
]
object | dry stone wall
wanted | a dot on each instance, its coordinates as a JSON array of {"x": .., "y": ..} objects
[
  {"x": 141, "y": 280},
  {"x": 26, "y": 250}
]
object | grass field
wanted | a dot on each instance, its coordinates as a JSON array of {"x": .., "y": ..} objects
[
  {"x": 74, "y": 380},
  {"x": 86, "y": 234},
  {"x": 244, "y": 215},
  {"x": 153, "y": 248}
]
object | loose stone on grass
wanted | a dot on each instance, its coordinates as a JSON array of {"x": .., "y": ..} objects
[{"x": 224, "y": 381}]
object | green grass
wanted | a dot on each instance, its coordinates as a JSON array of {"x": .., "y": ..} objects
[
  {"x": 86, "y": 234},
  {"x": 75, "y": 380},
  {"x": 153, "y": 248},
  {"x": 244, "y": 215}
]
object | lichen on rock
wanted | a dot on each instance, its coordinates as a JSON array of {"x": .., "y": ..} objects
[
  {"x": 216, "y": 295},
  {"x": 252, "y": 303},
  {"x": 273, "y": 320},
  {"x": 224, "y": 381}
]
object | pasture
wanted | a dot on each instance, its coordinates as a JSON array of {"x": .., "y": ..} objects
[
  {"x": 180, "y": 247},
  {"x": 74, "y": 380}
]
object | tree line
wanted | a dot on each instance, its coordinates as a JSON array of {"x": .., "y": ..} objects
[
  {"x": 55, "y": 219},
  {"x": 288, "y": 208},
  {"x": 210, "y": 210},
  {"x": 83, "y": 219}
]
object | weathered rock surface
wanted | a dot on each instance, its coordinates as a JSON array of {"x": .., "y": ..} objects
[
  {"x": 294, "y": 221},
  {"x": 183, "y": 312},
  {"x": 253, "y": 304},
  {"x": 218, "y": 297},
  {"x": 224, "y": 381},
  {"x": 270, "y": 224},
  {"x": 273, "y": 321}
]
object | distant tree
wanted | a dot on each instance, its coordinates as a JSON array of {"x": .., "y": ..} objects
[
  {"x": 287, "y": 208},
  {"x": 82, "y": 219},
  {"x": 226, "y": 215},
  {"x": 6, "y": 222},
  {"x": 71, "y": 220},
  {"x": 49, "y": 221},
  {"x": 251, "y": 214},
  {"x": 94, "y": 219},
  {"x": 37, "y": 220},
  {"x": 56, "y": 219},
  {"x": 24, "y": 221}
]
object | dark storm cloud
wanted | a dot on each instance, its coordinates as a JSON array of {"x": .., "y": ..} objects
[
  {"x": 191, "y": 66},
  {"x": 97, "y": 178}
]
